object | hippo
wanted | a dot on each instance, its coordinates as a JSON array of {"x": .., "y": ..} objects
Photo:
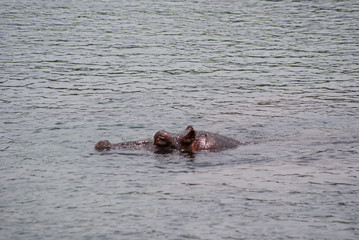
[
  {"x": 192, "y": 141},
  {"x": 163, "y": 142}
]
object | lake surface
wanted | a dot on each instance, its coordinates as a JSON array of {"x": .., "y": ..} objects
[{"x": 283, "y": 75}]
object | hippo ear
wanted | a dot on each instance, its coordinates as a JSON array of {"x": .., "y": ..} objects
[
  {"x": 189, "y": 127},
  {"x": 190, "y": 135},
  {"x": 191, "y": 132}
]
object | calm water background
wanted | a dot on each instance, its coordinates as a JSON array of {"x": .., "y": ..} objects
[{"x": 281, "y": 74}]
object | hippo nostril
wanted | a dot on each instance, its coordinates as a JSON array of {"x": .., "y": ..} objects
[{"x": 103, "y": 145}]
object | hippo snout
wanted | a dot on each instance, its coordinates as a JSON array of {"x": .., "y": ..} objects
[{"x": 103, "y": 146}]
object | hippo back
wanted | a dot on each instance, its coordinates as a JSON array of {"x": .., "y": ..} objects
[{"x": 208, "y": 141}]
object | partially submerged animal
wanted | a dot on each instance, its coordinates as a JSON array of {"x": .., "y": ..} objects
[{"x": 190, "y": 141}]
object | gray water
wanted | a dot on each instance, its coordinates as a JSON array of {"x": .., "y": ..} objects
[{"x": 283, "y": 75}]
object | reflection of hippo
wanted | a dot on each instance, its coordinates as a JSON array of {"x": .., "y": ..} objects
[
  {"x": 193, "y": 141},
  {"x": 163, "y": 143},
  {"x": 190, "y": 141}
]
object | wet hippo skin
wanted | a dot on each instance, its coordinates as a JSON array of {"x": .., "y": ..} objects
[
  {"x": 105, "y": 145},
  {"x": 190, "y": 141},
  {"x": 195, "y": 141},
  {"x": 163, "y": 142}
]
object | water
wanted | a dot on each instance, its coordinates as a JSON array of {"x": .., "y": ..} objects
[{"x": 283, "y": 75}]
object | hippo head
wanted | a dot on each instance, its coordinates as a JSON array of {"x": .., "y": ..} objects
[
  {"x": 103, "y": 146},
  {"x": 187, "y": 140},
  {"x": 164, "y": 140}
]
